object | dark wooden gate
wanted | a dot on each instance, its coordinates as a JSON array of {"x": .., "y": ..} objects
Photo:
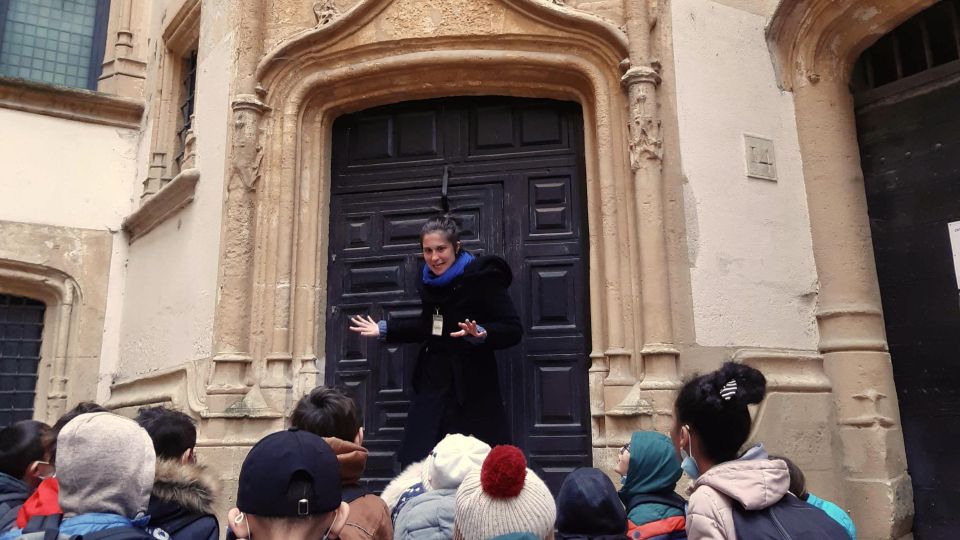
[
  {"x": 909, "y": 131},
  {"x": 517, "y": 185},
  {"x": 21, "y": 332}
]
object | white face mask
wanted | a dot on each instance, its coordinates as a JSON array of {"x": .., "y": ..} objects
[{"x": 689, "y": 464}]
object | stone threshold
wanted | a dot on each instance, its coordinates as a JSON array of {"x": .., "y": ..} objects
[{"x": 70, "y": 103}]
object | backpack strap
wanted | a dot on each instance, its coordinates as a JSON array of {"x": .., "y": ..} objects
[
  {"x": 8, "y": 515},
  {"x": 43, "y": 528},
  {"x": 124, "y": 533}
]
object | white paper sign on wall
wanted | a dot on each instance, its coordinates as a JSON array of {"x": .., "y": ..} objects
[{"x": 954, "y": 229}]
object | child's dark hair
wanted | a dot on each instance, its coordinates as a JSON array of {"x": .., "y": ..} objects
[
  {"x": 83, "y": 407},
  {"x": 328, "y": 412},
  {"x": 445, "y": 225},
  {"x": 22, "y": 443},
  {"x": 722, "y": 421},
  {"x": 172, "y": 432},
  {"x": 798, "y": 482}
]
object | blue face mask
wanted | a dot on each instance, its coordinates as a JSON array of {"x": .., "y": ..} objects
[{"x": 689, "y": 464}]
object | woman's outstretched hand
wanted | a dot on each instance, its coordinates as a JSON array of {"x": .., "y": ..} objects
[
  {"x": 469, "y": 328},
  {"x": 366, "y": 327}
]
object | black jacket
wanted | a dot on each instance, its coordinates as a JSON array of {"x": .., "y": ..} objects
[
  {"x": 182, "y": 501},
  {"x": 455, "y": 381},
  {"x": 588, "y": 508}
]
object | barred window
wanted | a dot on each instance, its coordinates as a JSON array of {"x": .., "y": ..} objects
[
  {"x": 928, "y": 40},
  {"x": 21, "y": 332},
  {"x": 188, "y": 90},
  {"x": 53, "y": 41}
]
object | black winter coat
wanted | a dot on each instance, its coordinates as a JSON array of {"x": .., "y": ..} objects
[
  {"x": 182, "y": 501},
  {"x": 456, "y": 388}
]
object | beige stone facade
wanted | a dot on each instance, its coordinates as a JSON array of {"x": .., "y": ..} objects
[{"x": 202, "y": 284}]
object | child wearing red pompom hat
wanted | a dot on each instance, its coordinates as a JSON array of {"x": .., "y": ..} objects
[{"x": 503, "y": 497}]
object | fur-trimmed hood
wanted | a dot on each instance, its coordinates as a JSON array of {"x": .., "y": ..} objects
[{"x": 190, "y": 486}]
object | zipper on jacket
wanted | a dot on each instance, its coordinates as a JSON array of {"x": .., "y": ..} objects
[{"x": 776, "y": 521}]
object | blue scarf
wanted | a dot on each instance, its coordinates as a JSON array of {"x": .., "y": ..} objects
[{"x": 455, "y": 271}]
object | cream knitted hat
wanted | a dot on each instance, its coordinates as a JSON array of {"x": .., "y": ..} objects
[
  {"x": 451, "y": 460},
  {"x": 503, "y": 497}
]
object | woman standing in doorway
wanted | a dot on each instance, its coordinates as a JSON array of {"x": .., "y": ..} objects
[{"x": 467, "y": 315}]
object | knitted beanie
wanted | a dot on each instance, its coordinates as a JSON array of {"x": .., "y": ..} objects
[
  {"x": 105, "y": 464},
  {"x": 503, "y": 497},
  {"x": 451, "y": 460}
]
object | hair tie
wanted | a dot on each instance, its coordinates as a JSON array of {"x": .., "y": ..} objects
[{"x": 729, "y": 390}]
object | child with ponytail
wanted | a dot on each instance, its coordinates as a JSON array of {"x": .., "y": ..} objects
[
  {"x": 737, "y": 495},
  {"x": 711, "y": 424}
]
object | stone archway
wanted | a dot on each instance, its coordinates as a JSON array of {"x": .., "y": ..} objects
[
  {"x": 273, "y": 271},
  {"x": 814, "y": 44}
]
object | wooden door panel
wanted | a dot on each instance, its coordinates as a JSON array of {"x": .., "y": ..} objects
[
  {"x": 517, "y": 188},
  {"x": 910, "y": 152}
]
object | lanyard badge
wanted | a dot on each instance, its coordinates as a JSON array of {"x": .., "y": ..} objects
[{"x": 437, "y": 324}]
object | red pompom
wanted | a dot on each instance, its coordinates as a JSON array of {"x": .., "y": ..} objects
[{"x": 503, "y": 472}]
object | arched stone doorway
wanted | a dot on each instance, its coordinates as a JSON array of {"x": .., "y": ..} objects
[
  {"x": 907, "y": 98},
  {"x": 268, "y": 335},
  {"x": 814, "y": 45}
]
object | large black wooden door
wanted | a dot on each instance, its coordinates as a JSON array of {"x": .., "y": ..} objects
[
  {"x": 21, "y": 331},
  {"x": 910, "y": 150},
  {"x": 516, "y": 179}
]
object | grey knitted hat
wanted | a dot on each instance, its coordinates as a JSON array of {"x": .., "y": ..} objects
[
  {"x": 503, "y": 497},
  {"x": 105, "y": 464}
]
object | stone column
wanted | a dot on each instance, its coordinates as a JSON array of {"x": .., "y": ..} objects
[
  {"x": 852, "y": 336},
  {"x": 231, "y": 376},
  {"x": 641, "y": 82}
]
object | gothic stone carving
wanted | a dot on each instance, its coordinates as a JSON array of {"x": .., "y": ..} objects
[{"x": 325, "y": 11}]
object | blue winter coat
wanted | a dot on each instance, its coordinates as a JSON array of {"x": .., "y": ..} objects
[{"x": 428, "y": 516}]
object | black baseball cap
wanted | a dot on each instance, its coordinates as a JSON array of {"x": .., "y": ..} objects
[{"x": 290, "y": 473}]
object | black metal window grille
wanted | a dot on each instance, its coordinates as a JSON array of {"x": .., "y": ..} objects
[
  {"x": 57, "y": 42},
  {"x": 188, "y": 92},
  {"x": 21, "y": 333},
  {"x": 929, "y": 39}
]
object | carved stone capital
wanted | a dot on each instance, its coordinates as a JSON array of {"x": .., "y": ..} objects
[{"x": 640, "y": 74}]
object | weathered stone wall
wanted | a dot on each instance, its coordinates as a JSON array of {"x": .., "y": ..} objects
[{"x": 170, "y": 281}]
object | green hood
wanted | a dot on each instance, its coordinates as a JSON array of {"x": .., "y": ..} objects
[{"x": 654, "y": 469}]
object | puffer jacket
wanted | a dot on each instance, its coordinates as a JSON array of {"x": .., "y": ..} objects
[
  {"x": 427, "y": 517},
  {"x": 753, "y": 481},
  {"x": 410, "y": 476},
  {"x": 369, "y": 517},
  {"x": 182, "y": 500}
]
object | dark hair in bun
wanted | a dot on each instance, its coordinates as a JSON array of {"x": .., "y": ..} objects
[
  {"x": 723, "y": 423},
  {"x": 445, "y": 225}
]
